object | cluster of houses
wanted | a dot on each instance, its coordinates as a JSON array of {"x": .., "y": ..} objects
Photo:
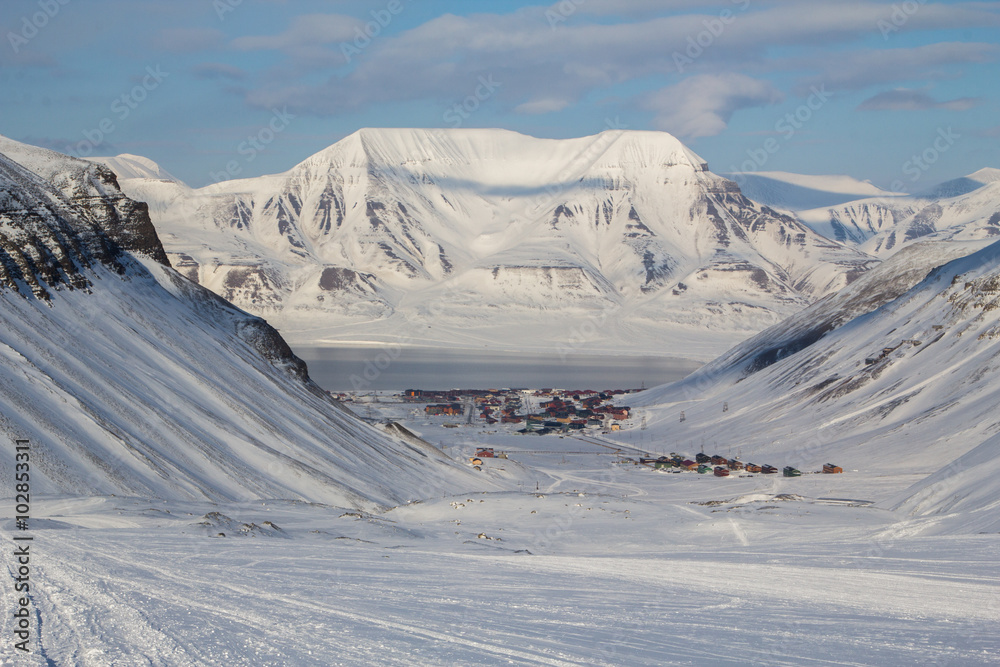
[
  {"x": 576, "y": 410},
  {"x": 541, "y": 411},
  {"x": 720, "y": 466}
]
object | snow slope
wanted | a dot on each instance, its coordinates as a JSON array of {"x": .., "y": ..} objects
[
  {"x": 804, "y": 393},
  {"x": 488, "y": 236},
  {"x": 797, "y": 192},
  {"x": 964, "y": 185},
  {"x": 129, "y": 167},
  {"x": 963, "y": 496},
  {"x": 961, "y": 210},
  {"x": 131, "y": 380}
]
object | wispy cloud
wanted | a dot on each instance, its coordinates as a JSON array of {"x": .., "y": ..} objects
[
  {"x": 219, "y": 71},
  {"x": 547, "y": 70},
  {"x": 544, "y": 105},
  {"x": 904, "y": 99},
  {"x": 858, "y": 70},
  {"x": 310, "y": 41}
]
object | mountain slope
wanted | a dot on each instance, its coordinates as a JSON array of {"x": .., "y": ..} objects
[
  {"x": 966, "y": 209},
  {"x": 964, "y": 185},
  {"x": 135, "y": 167},
  {"x": 886, "y": 282},
  {"x": 484, "y": 234},
  {"x": 129, "y": 379},
  {"x": 961, "y": 497},
  {"x": 922, "y": 404}
]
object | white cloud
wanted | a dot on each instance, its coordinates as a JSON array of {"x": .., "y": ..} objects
[
  {"x": 854, "y": 71},
  {"x": 546, "y": 70},
  {"x": 311, "y": 41},
  {"x": 702, "y": 105}
]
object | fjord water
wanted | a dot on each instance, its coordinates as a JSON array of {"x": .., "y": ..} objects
[{"x": 391, "y": 368}]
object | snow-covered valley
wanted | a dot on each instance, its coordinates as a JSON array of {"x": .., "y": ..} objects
[
  {"x": 195, "y": 499},
  {"x": 604, "y": 565}
]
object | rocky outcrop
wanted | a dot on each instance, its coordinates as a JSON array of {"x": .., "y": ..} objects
[
  {"x": 47, "y": 240},
  {"x": 42, "y": 246}
]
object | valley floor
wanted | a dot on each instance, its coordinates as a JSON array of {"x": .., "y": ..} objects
[{"x": 603, "y": 564}]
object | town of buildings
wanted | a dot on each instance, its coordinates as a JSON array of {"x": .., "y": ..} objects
[{"x": 541, "y": 411}]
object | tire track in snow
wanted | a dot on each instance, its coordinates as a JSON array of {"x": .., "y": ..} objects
[
  {"x": 169, "y": 586},
  {"x": 78, "y": 611}
]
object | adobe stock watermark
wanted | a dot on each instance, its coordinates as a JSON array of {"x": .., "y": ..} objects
[
  {"x": 920, "y": 163},
  {"x": 714, "y": 29},
  {"x": 461, "y": 112},
  {"x": 612, "y": 131},
  {"x": 363, "y": 37},
  {"x": 32, "y": 25},
  {"x": 377, "y": 365},
  {"x": 121, "y": 108},
  {"x": 901, "y": 15},
  {"x": 787, "y": 126},
  {"x": 382, "y": 361},
  {"x": 562, "y": 12},
  {"x": 223, "y": 7},
  {"x": 255, "y": 144},
  {"x": 584, "y": 333}
]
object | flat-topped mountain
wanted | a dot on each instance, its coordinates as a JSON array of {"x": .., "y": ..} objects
[{"x": 472, "y": 237}]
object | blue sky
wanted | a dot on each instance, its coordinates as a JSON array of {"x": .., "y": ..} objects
[{"x": 903, "y": 93}]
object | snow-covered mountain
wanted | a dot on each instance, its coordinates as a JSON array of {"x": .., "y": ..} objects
[
  {"x": 490, "y": 237},
  {"x": 128, "y": 167},
  {"x": 960, "y": 210},
  {"x": 878, "y": 378},
  {"x": 129, "y": 379},
  {"x": 798, "y": 192},
  {"x": 965, "y": 184}
]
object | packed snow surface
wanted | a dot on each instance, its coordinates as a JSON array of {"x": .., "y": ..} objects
[{"x": 604, "y": 564}]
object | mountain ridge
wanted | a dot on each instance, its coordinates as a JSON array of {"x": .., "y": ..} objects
[
  {"x": 884, "y": 384},
  {"x": 131, "y": 380},
  {"x": 522, "y": 229}
]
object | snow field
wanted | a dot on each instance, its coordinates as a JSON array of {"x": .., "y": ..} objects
[{"x": 627, "y": 566}]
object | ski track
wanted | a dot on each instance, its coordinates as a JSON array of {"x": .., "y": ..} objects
[
  {"x": 185, "y": 591},
  {"x": 175, "y": 599}
]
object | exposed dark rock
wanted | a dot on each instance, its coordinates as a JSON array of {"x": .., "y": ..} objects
[
  {"x": 923, "y": 223},
  {"x": 264, "y": 338},
  {"x": 335, "y": 278}
]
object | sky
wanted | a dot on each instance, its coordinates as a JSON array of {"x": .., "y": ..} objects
[{"x": 904, "y": 94}]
